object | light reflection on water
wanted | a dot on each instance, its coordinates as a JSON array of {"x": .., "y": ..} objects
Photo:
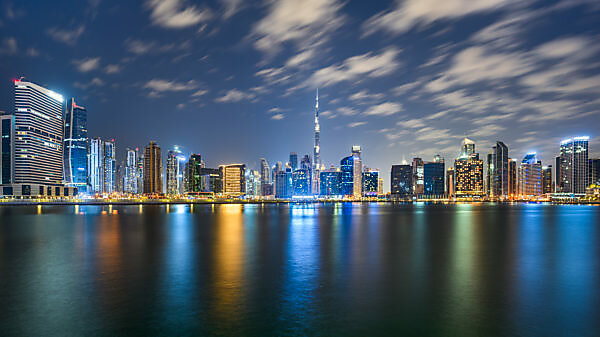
[{"x": 331, "y": 269}]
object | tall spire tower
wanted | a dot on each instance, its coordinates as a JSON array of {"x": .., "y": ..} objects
[{"x": 317, "y": 149}]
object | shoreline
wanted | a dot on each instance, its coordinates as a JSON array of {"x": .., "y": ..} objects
[{"x": 259, "y": 202}]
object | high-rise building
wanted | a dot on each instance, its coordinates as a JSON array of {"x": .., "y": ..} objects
[
  {"x": 76, "y": 147},
  {"x": 210, "y": 180},
  {"x": 380, "y": 186},
  {"x": 433, "y": 178},
  {"x": 450, "y": 187},
  {"x": 294, "y": 161},
  {"x": 557, "y": 184},
  {"x": 152, "y": 169},
  {"x": 401, "y": 181},
  {"x": 574, "y": 165},
  {"x": 512, "y": 177},
  {"x": 253, "y": 183},
  {"x": 356, "y": 172},
  {"x": 418, "y": 176},
  {"x": 37, "y": 146},
  {"x": 301, "y": 182},
  {"x": 331, "y": 182},
  {"x": 233, "y": 177},
  {"x": 594, "y": 172},
  {"x": 7, "y": 136},
  {"x": 468, "y": 172},
  {"x": 110, "y": 166},
  {"x": 175, "y": 171},
  {"x": 265, "y": 183},
  {"x": 370, "y": 181},
  {"x": 192, "y": 180},
  {"x": 498, "y": 171},
  {"x": 130, "y": 182},
  {"x": 530, "y": 176},
  {"x": 316, "y": 151},
  {"x": 96, "y": 166},
  {"x": 547, "y": 185},
  {"x": 284, "y": 186},
  {"x": 347, "y": 170}
]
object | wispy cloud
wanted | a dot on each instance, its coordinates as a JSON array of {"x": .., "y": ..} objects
[
  {"x": 365, "y": 95},
  {"x": 384, "y": 109},
  {"x": 234, "y": 95},
  {"x": 410, "y": 13},
  {"x": 67, "y": 36},
  {"x": 355, "y": 124},
  {"x": 278, "y": 116},
  {"x": 87, "y": 64},
  {"x": 160, "y": 85},
  {"x": 356, "y": 67},
  {"x": 231, "y": 7},
  {"x": 176, "y": 13},
  {"x": 96, "y": 81},
  {"x": 112, "y": 69},
  {"x": 8, "y": 46}
]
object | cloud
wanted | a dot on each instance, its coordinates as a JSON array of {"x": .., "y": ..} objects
[
  {"x": 235, "y": 95},
  {"x": 300, "y": 58},
  {"x": 409, "y": 13},
  {"x": 275, "y": 110},
  {"x": 112, "y": 69},
  {"x": 355, "y": 124},
  {"x": 159, "y": 85},
  {"x": 306, "y": 23},
  {"x": 357, "y": 67},
  {"x": 577, "y": 47},
  {"x": 278, "y": 116},
  {"x": 412, "y": 123},
  {"x": 365, "y": 95},
  {"x": 66, "y": 36},
  {"x": 145, "y": 47},
  {"x": 347, "y": 111},
  {"x": 200, "y": 92},
  {"x": 93, "y": 82},
  {"x": 384, "y": 109},
  {"x": 231, "y": 7},
  {"x": 87, "y": 64},
  {"x": 8, "y": 46},
  {"x": 32, "y": 52},
  {"x": 176, "y": 13}
]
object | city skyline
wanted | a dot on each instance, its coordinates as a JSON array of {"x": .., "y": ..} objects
[{"x": 411, "y": 100}]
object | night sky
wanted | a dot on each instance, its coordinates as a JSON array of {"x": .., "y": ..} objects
[{"x": 235, "y": 80}]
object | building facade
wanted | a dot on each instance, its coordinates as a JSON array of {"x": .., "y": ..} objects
[
  {"x": 530, "y": 176},
  {"x": 574, "y": 165},
  {"x": 331, "y": 182},
  {"x": 76, "y": 146},
  {"x": 370, "y": 182},
  {"x": 418, "y": 176},
  {"x": 498, "y": 171},
  {"x": 356, "y": 171},
  {"x": 234, "y": 179},
  {"x": 175, "y": 172},
  {"x": 468, "y": 172},
  {"x": 547, "y": 181},
  {"x": 401, "y": 181},
  {"x": 152, "y": 169},
  {"x": 433, "y": 178}
]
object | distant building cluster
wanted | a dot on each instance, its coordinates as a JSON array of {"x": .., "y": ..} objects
[{"x": 46, "y": 153}]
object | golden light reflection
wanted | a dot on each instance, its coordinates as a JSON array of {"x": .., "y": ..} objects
[
  {"x": 110, "y": 258},
  {"x": 39, "y": 209},
  {"x": 229, "y": 260}
]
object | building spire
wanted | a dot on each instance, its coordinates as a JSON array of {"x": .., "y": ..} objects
[{"x": 317, "y": 149}]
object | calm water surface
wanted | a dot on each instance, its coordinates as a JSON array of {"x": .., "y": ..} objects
[{"x": 343, "y": 269}]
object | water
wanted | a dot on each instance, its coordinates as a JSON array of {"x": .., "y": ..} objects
[{"x": 338, "y": 269}]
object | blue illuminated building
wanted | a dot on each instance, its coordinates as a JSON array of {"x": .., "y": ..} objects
[
  {"x": 434, "y": 179},
  {"x": 301, "y": 182},
  {"x": 330, "y": 182},
  {"x": 347, "y": 181},
  {"x": 76, "y": 146},
  {"x": 401, "y": 181}
]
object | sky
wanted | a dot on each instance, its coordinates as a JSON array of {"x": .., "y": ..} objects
[{"x": 235, "y": 80}]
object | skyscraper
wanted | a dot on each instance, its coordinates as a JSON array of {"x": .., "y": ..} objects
[
  {"x": 468, "y": 172},
  {"x": 233, "y": 177},
  {"x": 294, "y": 161},
  {"x": 547, "y": 185},
  {"x": 512, "y": 177},
  {"x": 37, "y": 146},
  {"x": 574, "y": 165},
  {"x": 301, "y": 182},
  {"x": 96, "y": 166},
  {"x": 594, "y": 172},
  {"x": 347, "y": 169},
  {"x": 252, "y": 183},
  {"x": 401, "y": 181},
  {"x": 7, "y": 136},
  {"x": 192, "y": 174},
  {"x": 450, "y": 187},
  {"x": 76, "y": 146},
  {"x": 175, "y": 171},
  {"x": 152, "y": 169},
  {"x": 130, "y": 183},
  {"x": 110, "y": 166},
  {"x": 433, "y": 178},
  {"x": 498, "y": 171},
  {"x": 356, "y": 172},
  {"x": 370, "y": 182},
  {"x": 317, "y": 149},
  {"x": 331, "y": 182},
  {"x": 530, "y": 176},
  {"x": 418, "y": 176},
  {"x": 557, "y": 183}
]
